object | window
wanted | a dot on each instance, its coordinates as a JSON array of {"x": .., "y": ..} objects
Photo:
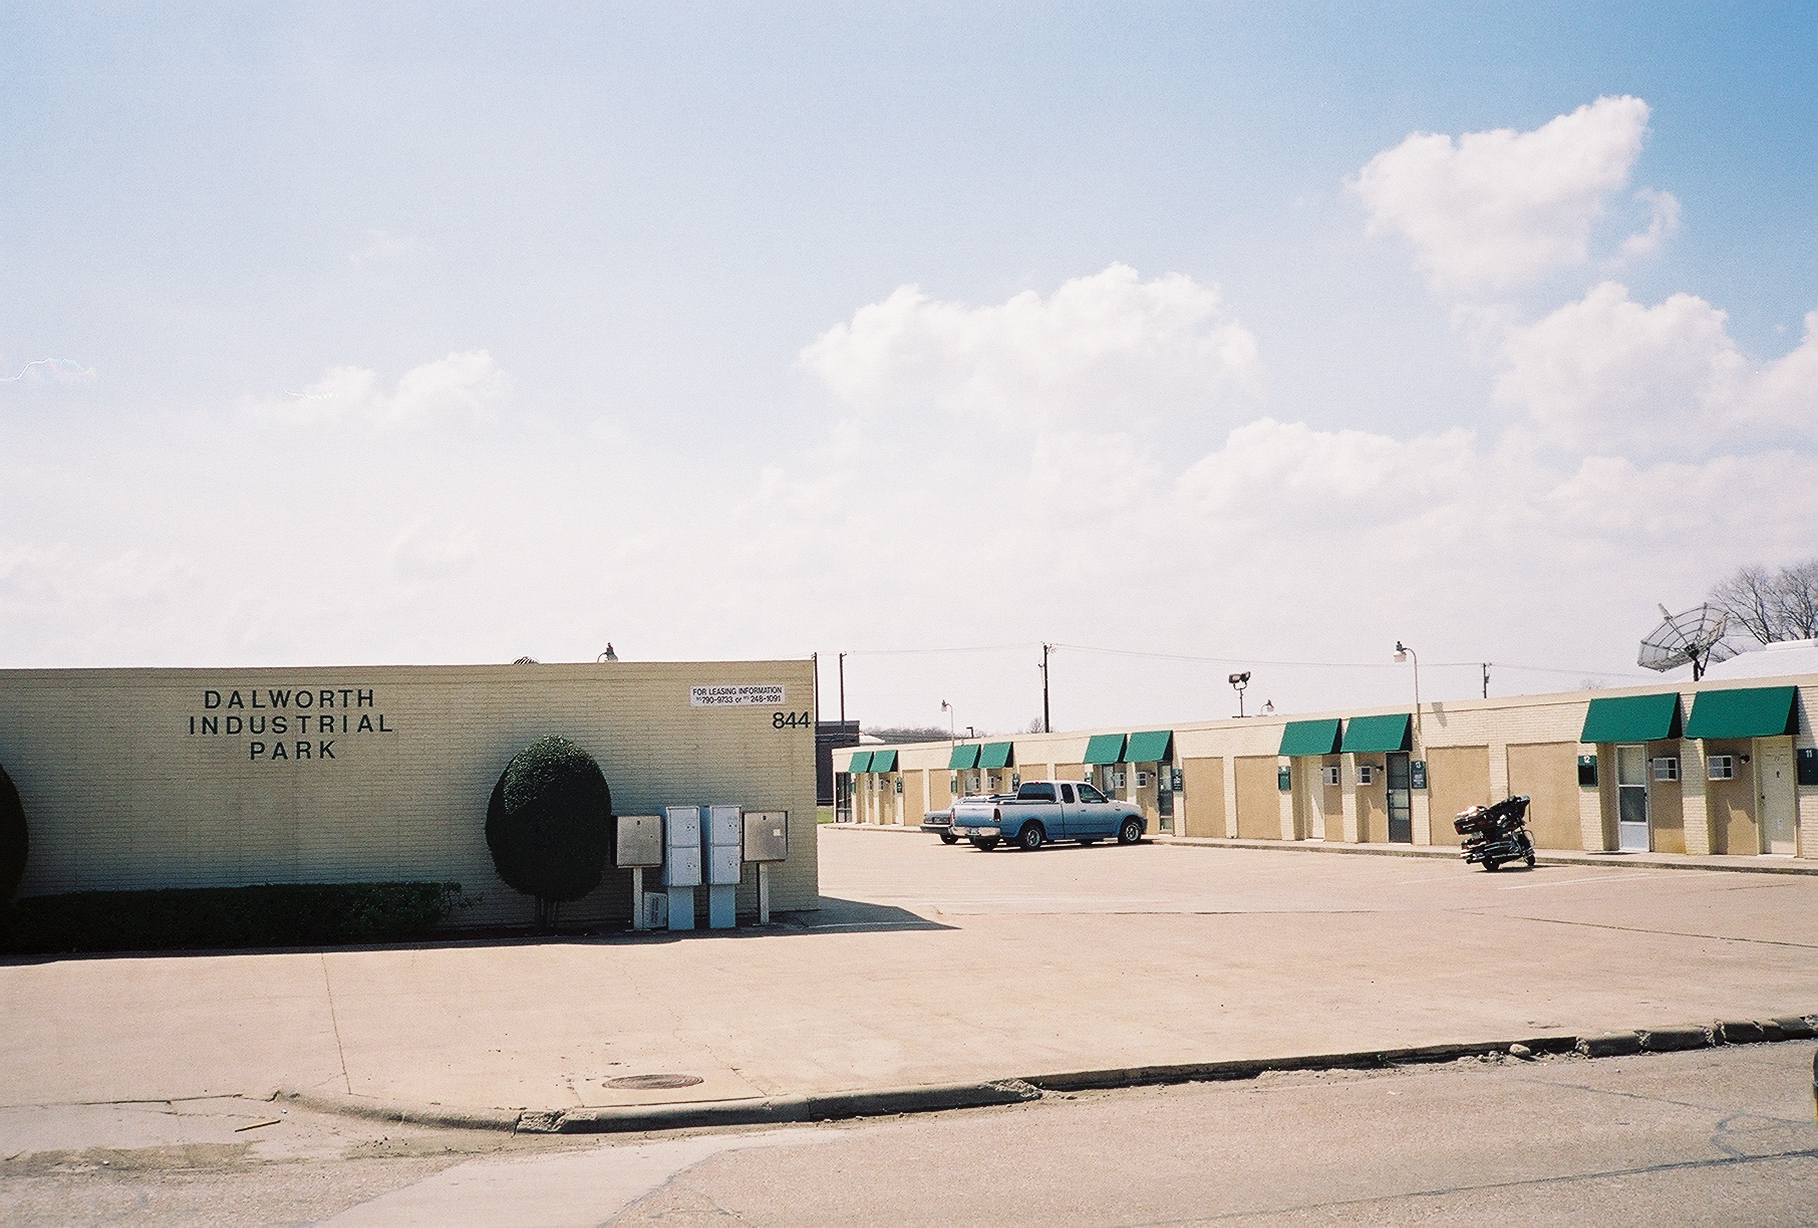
[
  {"x": 1721, "y": 767},
  {"x": 1066, "y": 793},
  {"x": 1666, "y": 768},
  {"x": 953, "y": 783},
  {"x": 1088, "y": 794},
  {"x": 1366, "y": 774},
  {"x": 1142, "y": 780},
  {"x": 1036, "y": 791},
  {"x": 1330, "y": 776}
]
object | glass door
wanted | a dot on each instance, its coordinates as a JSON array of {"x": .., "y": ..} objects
[
  {"x": 1401, "y": 800},
  {"x": 1632, "y": 799}
]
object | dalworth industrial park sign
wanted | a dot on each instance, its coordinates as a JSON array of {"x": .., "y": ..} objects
[{"x": 275, "y": 720}]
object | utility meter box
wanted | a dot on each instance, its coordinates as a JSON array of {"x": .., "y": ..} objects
[
  {"x": 723, "y": 865},
  {"x": 767, "y": 835},
  {"x": 640, "y": 841},
  {"x": 682, "y": 836}
]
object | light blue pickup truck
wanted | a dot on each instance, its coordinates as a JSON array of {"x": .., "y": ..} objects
[{"x": 1045, "y": 810}]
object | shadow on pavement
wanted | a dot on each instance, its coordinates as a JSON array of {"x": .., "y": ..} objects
[{"x": 856, "y": 916}]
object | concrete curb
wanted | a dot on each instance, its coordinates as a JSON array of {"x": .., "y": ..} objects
[
  {"x": 1623, "y": 861},
  {"x": 410, "y": 1114},
  {"x": 883, "y": 1102},
  {"x": 777, "y": 1110},
  {"x": 1618, "y": 860}
]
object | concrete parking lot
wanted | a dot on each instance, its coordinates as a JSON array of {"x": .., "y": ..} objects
[{"x": 932, "y": 965}]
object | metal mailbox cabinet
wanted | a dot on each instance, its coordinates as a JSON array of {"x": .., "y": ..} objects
[
  {"x": 682, "y": 865},
  {"x": 725, "y": 832}
]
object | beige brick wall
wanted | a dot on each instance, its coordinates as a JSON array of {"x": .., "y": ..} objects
[{"x": 119, "y": 792}]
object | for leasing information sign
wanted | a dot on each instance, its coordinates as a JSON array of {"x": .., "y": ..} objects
[{"x": 755, "y": 694}]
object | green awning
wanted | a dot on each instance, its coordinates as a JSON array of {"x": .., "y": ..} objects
[
  {"x": 1309, "y": 738},
  {"x": 1632, "y": 718},
  {"x": 861, "y": 762},
  {"x": 1105, "y": 748},
  {"x": 1370, "y": 735},
  {"x": 883, "y": 761},
  {"x": 997, "y": 754},
  {"x": 964, "y": 757},
  {"x": 1151, "y": 747},
  {"x": 1758, "y": 712}
]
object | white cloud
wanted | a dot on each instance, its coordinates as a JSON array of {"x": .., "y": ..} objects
[
  {"x": 461, "y": 387},
  {"x": 1098, "y": 354},
  {"x": 381, "y": 247},
  {"x": 1664, "y": 207},
  {"x": 1494, "y": 210},
  {"x": 51, "y": 371},
  {"x": 1609, "y": 375},
  {"x": 430, "y": 551}
]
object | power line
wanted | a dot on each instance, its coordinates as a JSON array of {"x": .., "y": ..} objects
[
  {"x": 1178, "y": 656},
  {"x": 1175, "y": 656}
]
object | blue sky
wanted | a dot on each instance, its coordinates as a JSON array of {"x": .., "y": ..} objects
[{"x": 453, "y": 335}]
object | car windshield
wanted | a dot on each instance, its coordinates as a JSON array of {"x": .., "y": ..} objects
[{"x": 1088, "y": 794}]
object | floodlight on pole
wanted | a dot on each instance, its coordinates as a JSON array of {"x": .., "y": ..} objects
[{"x": 1238, "y": 683}]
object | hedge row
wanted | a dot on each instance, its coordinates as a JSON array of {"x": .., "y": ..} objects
[{"x": 275, "y": 915}]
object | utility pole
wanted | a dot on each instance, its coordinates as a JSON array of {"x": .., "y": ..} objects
[
  {"x": 816, "y": 658},
  {"x": 1047, "y": 726},
  {"x": 1486, "y": 679},
  {"x": 842, "y": 688}
]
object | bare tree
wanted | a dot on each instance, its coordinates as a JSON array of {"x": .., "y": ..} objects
[
  {"x": 1772, "y": 606},
  {"x": 1796, "y": 601}
]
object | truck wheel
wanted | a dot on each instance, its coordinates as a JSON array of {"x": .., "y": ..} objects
[
  {"x": 984, "y": 844},
  {"x": 1130, "y": 832},
  {"x": 1031, "y": 837},
  {"x": 948, "y": 837}
]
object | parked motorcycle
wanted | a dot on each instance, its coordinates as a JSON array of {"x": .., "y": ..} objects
[{"x": 1496, "y": 834}]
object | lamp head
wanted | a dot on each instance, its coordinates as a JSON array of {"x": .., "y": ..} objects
[{"x": 1401, "y": 651}]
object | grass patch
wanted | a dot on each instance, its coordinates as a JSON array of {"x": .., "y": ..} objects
[{"x": 272, "y": 915}]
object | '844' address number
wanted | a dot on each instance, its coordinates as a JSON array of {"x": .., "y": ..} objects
[{"x": 791, "y": 720}]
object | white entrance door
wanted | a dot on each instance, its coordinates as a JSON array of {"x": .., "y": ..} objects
[
  {"x": 1632, "y": 799},
  {"x": 1774, "y": 785}
]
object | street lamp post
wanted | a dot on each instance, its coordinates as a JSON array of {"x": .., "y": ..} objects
[
  {"x": 1402, "y": 653},
  {"x": 948, "y": 709}
]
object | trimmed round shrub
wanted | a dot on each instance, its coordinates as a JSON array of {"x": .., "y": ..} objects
[
  {"x": 549, "y": 823},
  {"x": 14, "y": 840}
]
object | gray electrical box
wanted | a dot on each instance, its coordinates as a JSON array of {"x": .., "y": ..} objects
[
  {"x": 767, "y": 835},
  {"x": 682, "y": 836},
  {"x": 640, "y": 841}
]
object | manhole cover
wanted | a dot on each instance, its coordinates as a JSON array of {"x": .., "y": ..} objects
[{"x": 652, "y": 1082}]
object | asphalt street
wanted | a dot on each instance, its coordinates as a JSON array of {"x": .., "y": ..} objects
[{"x": 1713, "y": 1137}]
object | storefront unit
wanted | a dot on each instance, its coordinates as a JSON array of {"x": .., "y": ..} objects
[
  {"x": 1721, "y": 769},
  {"x": 1315, "y": 793}
]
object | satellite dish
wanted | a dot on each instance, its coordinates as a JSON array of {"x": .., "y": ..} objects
[{"x": 1694, "y": 637}]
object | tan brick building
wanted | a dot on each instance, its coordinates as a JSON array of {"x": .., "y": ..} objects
[
  {"x": 138, "y": 778},
  {"x": 1718, "y": 767}
]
